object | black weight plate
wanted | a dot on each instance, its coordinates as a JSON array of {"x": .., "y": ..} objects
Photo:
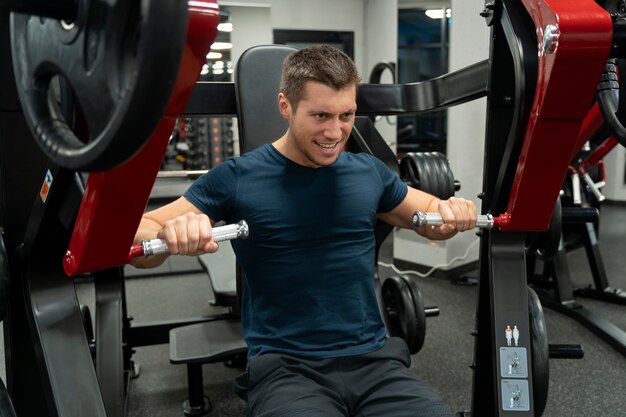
[
  {"x": 120, "y": 69},
  {"x": 415, "y": 345},
  {"x": 440, "y": 161},
  {"x": 540, "y": 352},
  {"x": 408, "y": 171},
  {"x": 447, "y": 177},
  {"x": 430, "y": 162},
  {"x": 400, "y": 308},
  {"x": 423, "y": 173}
]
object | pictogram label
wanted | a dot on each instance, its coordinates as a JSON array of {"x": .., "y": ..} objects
[
  {"x": 515, "y": 395},
  {"x": 45, "y": 187},
  {"x": 513, "y": 362}
]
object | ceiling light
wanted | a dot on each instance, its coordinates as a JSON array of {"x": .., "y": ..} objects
[
  {"x": 213, "y": 55},
  {"x": 438, "y": 13},
  {"x": 225, "y": 27},
  {"x": 219, "y": 46}
]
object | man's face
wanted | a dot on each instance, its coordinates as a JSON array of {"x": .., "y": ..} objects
[{"x": 321, "y": 124}]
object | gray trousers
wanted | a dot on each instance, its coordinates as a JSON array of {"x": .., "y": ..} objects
[{"x": 378, "y": 384}]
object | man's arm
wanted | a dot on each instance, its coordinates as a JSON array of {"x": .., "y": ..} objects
[
  {"x": 186, "y": 230},
  {"x": 458, "y": 214}
]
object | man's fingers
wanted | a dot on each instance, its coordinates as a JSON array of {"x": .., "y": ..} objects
[
  {"x": 190, "y": 234},
  {"x": 168, "y": 233},
  {"x": 457, "y": 214}
]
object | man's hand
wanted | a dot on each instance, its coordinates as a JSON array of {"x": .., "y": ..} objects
[
  {"x": 458, "y": 215},
  {"x": 189, "y": 234}
]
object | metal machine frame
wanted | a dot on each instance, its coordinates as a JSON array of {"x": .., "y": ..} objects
[{"x": 534, "y": 118}]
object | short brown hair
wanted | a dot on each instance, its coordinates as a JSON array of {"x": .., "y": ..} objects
[{"x": 321, "y": 63}]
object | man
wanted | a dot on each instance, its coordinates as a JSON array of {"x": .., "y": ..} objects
[{"x": 317, "y": 343}]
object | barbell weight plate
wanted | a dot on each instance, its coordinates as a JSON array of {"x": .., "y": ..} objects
[
  {"x": 423, "y": 173},
  {"x": 447, "y": 175},
  {"x": 433, "y": 175},
  {"x": 443, "y": 175},
  {"x": 408, "y": 171},
  {"x": 398, "y": 303},
  {"x": 540, "y": 352},
  {"x": 415, "y": 345},
  {"x": 120, "y": 69},
  {"x": 429, "y": 172}
]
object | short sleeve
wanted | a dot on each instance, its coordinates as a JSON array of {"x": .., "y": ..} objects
[
  {"x": 214, "y": 192},
  {"x": 394, "y": 189}
]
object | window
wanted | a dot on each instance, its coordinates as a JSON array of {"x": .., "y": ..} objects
[{"x": 422, "y": 54}]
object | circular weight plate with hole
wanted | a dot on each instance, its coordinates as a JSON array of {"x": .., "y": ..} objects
[
  {"x": 429, "y": 172},
  {"x": 119, "y": 68},
  {"x": 540, "y": 352},
  {"x": 400, "y": 308},
  {"x": 415, "y": 345}
]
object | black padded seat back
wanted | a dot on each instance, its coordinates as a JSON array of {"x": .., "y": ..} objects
[{"x": 257, "y": 80}]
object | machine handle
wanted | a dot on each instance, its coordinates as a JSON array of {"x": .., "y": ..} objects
[
  {"x": 484, "y": 221},
  {"x": 220, "y": 234}
]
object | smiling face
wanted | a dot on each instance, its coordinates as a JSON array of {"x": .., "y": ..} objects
[{"x": 319, "y": 126}]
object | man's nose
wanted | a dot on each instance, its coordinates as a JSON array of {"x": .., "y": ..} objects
[{"x": 333, "y": 130}]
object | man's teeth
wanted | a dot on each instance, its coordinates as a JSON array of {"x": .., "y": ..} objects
[{"x": 327, "y": 145}]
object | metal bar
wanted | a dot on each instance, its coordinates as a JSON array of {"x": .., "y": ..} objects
[
  {"x": 438, "y": 93},
  {"x": 182, "y": 174},
  {"x": 600, "y": 326},
  {"x": 220, "y": 234},
  {"x": 447, "y": 90},
  {"x": 588, "y": 234}
]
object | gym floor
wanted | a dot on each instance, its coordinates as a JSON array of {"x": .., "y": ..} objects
[{"x": 592, "y": 386}]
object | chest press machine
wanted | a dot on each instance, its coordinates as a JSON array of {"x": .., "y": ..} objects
[{"x": 534, "y": 120}]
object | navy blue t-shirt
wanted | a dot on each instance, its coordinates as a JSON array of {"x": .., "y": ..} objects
[{"x": 309, "y": 261}]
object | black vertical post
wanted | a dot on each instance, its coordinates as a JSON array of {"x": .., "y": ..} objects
[{"x": 502, "y": 297}]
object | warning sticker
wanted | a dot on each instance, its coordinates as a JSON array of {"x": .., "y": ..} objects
[{"x": 45, "y": 187}]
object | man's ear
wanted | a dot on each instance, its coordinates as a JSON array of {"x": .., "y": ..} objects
[{"x": 284, "y": 107}]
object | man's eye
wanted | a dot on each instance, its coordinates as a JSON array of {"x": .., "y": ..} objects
[
  {"x": 320, "y": 116},
  {"x": 348, "y": 115}
]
